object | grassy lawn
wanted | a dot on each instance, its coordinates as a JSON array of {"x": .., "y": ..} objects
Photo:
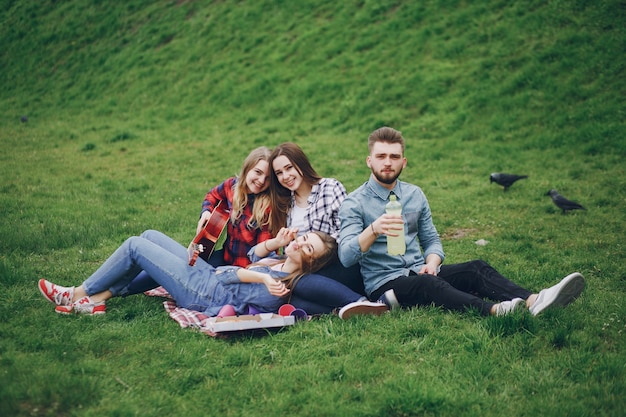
[{"x": 135, "y": 109}]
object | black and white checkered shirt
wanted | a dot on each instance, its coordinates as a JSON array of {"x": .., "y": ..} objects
[{"x": 323, "y": 207}]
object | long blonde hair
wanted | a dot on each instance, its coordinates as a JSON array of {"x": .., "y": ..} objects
[{"x": 261, "y": 207}]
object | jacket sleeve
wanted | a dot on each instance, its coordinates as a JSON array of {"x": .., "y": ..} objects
[
  {"x": 351, "y": 227},
  {"x": 427, "y": 234}
]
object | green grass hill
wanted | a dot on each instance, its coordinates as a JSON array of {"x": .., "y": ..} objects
[{"x": 118, "y": 116}]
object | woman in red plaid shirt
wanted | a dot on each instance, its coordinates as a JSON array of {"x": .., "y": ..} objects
[{"x": 246, "y": 198}]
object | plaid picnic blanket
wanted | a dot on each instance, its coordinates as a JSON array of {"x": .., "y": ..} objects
[
  {"x": 196, "y": 320},
  {"x": 183, "y": 316}
]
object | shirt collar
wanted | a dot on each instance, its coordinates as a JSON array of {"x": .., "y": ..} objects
[
  {"x": 314, "y": 191},
  {"x": 382, "y": 192}
]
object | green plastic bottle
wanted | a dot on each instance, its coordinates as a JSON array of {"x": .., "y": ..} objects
[{"x": 395, "y": 244}]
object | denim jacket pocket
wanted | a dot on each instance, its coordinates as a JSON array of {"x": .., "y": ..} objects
[{"x": 411, "y": 218}]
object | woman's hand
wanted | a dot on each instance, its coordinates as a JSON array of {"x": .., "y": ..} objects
[
  {"x": 275, "y": 287},
  {"x": 203, "y": 219},
  {"x": 285, "y": 236}
]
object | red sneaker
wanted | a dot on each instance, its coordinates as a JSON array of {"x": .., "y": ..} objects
[
  {"x": 61, "y": 296},
  {"x": 84, "y": 305}
]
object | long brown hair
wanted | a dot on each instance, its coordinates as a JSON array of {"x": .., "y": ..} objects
[
  {"x": 311, "y": 264},
  {"x": 262, "y": 201},
  {"x": 280, "y": 196}
]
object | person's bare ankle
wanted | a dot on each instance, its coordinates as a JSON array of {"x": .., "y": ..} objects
[{"x": 79, "y": 292}]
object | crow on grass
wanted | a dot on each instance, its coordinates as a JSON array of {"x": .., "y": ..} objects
[
  {"x": 505, "y": 180},
  {"x": 563, "y": 203}
]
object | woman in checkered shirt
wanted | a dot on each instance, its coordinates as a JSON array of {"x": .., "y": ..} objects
[{"x": 302, "y": 199}]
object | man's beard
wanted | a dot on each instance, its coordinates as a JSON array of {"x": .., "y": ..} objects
[{"x": 387, "y": 180}]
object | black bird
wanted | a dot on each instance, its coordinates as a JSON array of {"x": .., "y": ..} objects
[
  {"x": 505, "y": 180},
  {"x": 563, "y": 203},
  {"x": 24, "y": 119}
]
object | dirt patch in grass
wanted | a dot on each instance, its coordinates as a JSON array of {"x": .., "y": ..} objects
[{"x": 457, "y": 233}]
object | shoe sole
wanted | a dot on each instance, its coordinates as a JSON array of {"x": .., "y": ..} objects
[
  {"x": 348, "y": 311},
  {"x": 64, "y": 310},
  {"x": 69, "y": 311},
  {"x": 571, "y": 287}
]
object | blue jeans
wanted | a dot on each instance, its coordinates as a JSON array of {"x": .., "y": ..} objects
[
  {"x": 350, "y": 276},
  {"x": 201, "y": 287},
  {"x": 317, "y": 294},
  {"x": 332, "y": 287},
  {"x": 314, "y": 293},
  {"x": 143, "y": 282}
]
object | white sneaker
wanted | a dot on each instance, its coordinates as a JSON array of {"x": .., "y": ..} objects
[
  {"x": 389, "y": 298},
  {"x": 83, "y": 305},
  {"x": 559, "y": 295},
  {"x": 362, "y": 307},
  {"x": 61, "y": 296},
  {"x": 508, "y": 307}
]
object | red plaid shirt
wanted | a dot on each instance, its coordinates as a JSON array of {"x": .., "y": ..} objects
[{"x": 241, "y": 238}]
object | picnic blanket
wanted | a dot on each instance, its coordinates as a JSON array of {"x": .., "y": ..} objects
[
  {"x": 183, "y": 316},
  {"x": 216, "y": 326}
]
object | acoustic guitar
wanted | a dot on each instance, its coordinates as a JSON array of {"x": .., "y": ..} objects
[{"x": 204, "y": 242}]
